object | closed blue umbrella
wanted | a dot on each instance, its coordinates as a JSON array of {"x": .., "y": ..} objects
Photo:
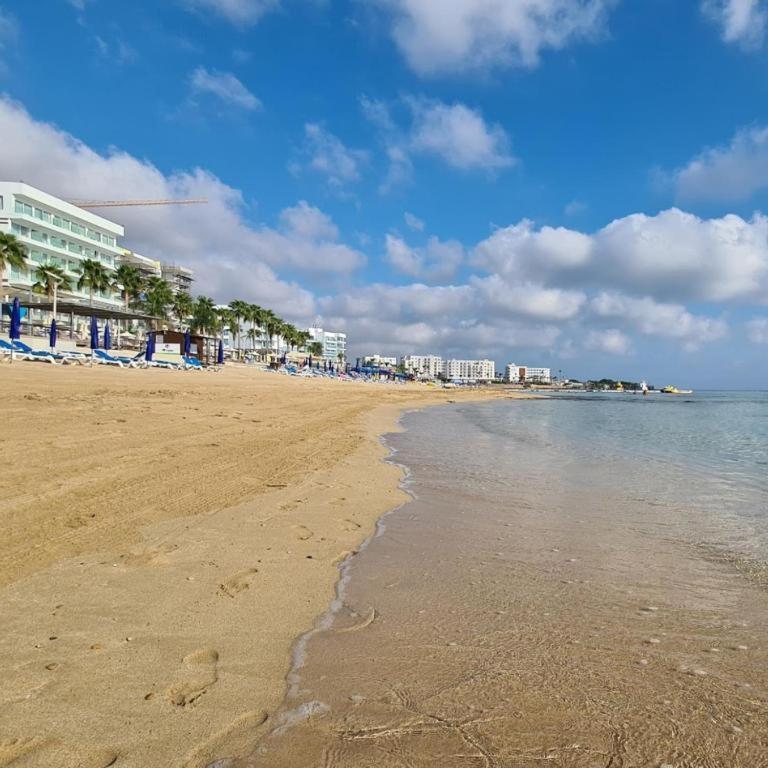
[
  {"x": 52, "y": 335},
  {"x": 220, "y": 356},
  {"x": 15, "y": 331},
  {"x": 150, "y": 348},
  {"x": 107, "y": 337},
  {"x": 94, "y": 333},
  {"x": 187, "y": 342},
  {"x": 310, "y": 361}
]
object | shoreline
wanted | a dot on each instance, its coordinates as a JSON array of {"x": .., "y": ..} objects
[{"x": 114, "y": 652}]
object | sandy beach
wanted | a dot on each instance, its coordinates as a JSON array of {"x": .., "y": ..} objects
[{"x": 165, "y": 538}]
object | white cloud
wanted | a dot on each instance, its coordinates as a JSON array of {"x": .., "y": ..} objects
[
  {"x": 437, "y": 261},
  {"x": 575, "y": 208},
  {"x": 230, "y": 256},
  {"x": 523, "y": 250},
  {"x": 652, "y": 318},
  {"x": 329, "y": 156},
  {"x": 225, "y": 86},
  {"x": 118, "y": 52},
  {"x": 730, "y": 173},
  {"x": 612, "y": 341},
  {"x": 740, "y": 21},
  {"x": 413, "y": 221},
  {"x": 757, "y": 330},
  {"x": 235, "y": 11},
  {"x": 9, "y": 34},
  {"x": 459, "y": 135},
  {"x": 510, "y": 299},
  {"x": 459, "y": 35}
]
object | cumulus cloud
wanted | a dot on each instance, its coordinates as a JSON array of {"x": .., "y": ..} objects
[
  {"x": 757, "y": 330},
  {"x": 459, "y": 135},
  {"x": 741, "y": 21},
  {"x": 611, "y": 341},
  {"x": 436, "y": 261},
  {"x": 329, "y": 156},
  {"x": 225, "y": 86},
  {"x": 503, "y": 298},
  {"x": 653, "y": 318},
  {"x": 440, "y": 37},
  {"x": 729, "y": 173},
  {"x": 230, "y": 256},
  {"x": 235, "y": 11}
]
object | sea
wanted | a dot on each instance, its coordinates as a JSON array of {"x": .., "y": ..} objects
[{"x": 577, "y": 581}]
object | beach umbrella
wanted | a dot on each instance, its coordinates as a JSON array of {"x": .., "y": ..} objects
[
  {"x": 220, "y": 356},
  {"x": 187, "y": 342},
  {"x": 15, "y": 331},
  {"x": 150, "y": 348},
  {"x": 107, "y": 337},
  {"x": 52, "y": 335},
  {"x": 94, "y": 333}
]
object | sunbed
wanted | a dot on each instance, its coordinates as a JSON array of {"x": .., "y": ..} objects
[
  {"x": 192, "y": 363},
  {"x": 25, "y": 352},
  {"x": 102, "y": 356}
]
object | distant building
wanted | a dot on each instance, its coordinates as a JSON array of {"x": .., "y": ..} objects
[
  {"x": 378, "y": 360},
  {"x": 334, "y": 343},
  {"x": 54, "y": 231},
  {"x": 470, "y": 370},
  {"x": 179, "y": 278},
  {"x": 526, "y": 374},
  {"x": 424, "y": 365},
  {"x": 147, "y": 267}
]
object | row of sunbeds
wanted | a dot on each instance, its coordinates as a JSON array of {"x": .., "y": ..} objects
[{"x": 21, "y": 351}]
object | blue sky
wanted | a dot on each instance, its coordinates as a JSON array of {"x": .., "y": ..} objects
[{"x": 576, "y": 183}]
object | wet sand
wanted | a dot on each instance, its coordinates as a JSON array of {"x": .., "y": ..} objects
[
  {"x": 525, "y": 611},
  {"x": 164, "y": 538}
]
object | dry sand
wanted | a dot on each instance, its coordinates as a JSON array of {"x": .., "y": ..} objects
[{"x": 164, "y": 538}]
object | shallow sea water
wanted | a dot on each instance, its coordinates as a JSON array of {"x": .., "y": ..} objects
[{"x": 576, "y": 583}]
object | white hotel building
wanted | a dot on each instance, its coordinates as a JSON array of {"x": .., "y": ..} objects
[
  {"x": 334, "y": 343},
  {"x": 57, "y": 232},
  {"x": 470, "y": 370},
  {"x": 526, "y": 374},
  {"x": 424, "y": 365}
]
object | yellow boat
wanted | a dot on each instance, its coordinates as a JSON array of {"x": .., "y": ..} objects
[{"x": 671, "y": 390}]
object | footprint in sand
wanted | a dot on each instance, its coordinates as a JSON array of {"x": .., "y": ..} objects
[
  {"x": 198, "y": 676},
  {"x": 351, "y": 525},
  {"x": 12, "y": 749},
  {"x": 240, "y": 736},
  {"x": 303, "y": 533},
  {"x": 236, "y": 583}
]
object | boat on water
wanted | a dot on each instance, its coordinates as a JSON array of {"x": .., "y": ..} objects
[{"x": 672, "y": 390}]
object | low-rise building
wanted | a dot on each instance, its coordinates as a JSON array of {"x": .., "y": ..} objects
[
  {"x": 470, "y": 370},
  {"x": 424, "y": 365},
  {"x": 527, "y": 374},
  {"x": 380, "y": 361},
  {"x": 54, "y": 231},
  {"x": 334, "y": 343}
]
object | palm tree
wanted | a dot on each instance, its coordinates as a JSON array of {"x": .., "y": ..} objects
[
  {"x": 129, "y": 281},
  {"x": 49, "y": 278},
  {"x": 315, "y": 349},
  {"x": 302, "y": 338},
  {"x": 272, "y": 325},
  {"x": 203, "y": 314},
  {"x": 239, "y": 311},
  {"x": 253, "y": 334},
  {"x": 94, "y": 276},
  {"x": 182, "y": 306},
  {"x": 159, "y": 296},
  {"x": 13, "y": 253}
]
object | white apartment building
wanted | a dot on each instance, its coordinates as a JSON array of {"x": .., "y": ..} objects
[
  {"x": 57, "y": 232},
  {"x": 334, "y": 343},
  {"x": 526, "y": 374},
  {"x": 424, "y": 365},
  {"x": 379, "y": 360},
  {"x": 470, "y": 370}
]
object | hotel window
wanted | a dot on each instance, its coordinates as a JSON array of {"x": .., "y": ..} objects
[
  {"x": 42, "y": 215},
  {"x": 39, "y": 237},
  {"x": 23, "y": 208},
  {"x": 59, "y": 222},
  {"x": 17, "y": 229},
  {"x": 1, "y": 202},
  {"x": 58, "y": 242},
  {"x": 19, "y": 274},
  {"x": 77, "y": 229},
  {"x": 94, "y": 235},
  {"x": 74, "y": 248}
]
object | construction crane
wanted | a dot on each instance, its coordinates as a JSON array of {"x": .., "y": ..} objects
[{"x": 126, "y": 203}]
